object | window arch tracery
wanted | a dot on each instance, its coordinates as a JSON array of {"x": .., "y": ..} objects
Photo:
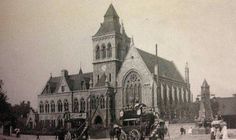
[{"x": 132, "y": 88}]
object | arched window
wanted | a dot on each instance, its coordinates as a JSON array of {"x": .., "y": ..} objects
[
  {"x": 93, "y": 102},
  {"x": 97, "y": 52},
  {"x": 165, "y": 94},
  {"x": 185, "y": 96},
  {"x": 103, "y": 51},
  {"x": 76, "y": 105},
  {"x": 41, "y": 107},
  {"x": 102, "y": 102},
  {"x": 180, "y": 95},
  {"x": 97, "y": 101},
  {"x": 176, "y": 95},
  {"x": 59, "y": 106},
  {"x": 82, "y": 105},
  {"x": 118, "y": 51},
  {"x": 46, "y": 107},
  {"x": 170, "y": 95},
  {"x": 66, "y": 105},
  {"x": 109, "y": 50},
  {"x": 52, "y": 106},
  {"x": 133, "y": 89}
]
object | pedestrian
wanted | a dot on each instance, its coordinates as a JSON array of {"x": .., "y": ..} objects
[
  {"x": 111, "y": 133},
  {"x": 224, "y": 132},
  {"x": 37, "y": 136},
  {"x": 190, "y": 130},
  {"x": 218, "y": 134},
  {"x": 182, "y": 130},
  {"x": 61, "y": 135},
  {"x": 68, "y": 135}
]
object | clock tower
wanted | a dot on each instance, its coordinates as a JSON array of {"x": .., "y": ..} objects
[{"x": 110, "y": 46}]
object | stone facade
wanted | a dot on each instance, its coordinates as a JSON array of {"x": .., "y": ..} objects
[{"x": 122, "y": 76}]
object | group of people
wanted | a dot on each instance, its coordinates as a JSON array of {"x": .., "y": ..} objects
[{"x": 219, "y": 133}]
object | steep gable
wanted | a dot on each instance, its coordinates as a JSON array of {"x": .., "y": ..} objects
[{"x": 73, "y": 82}]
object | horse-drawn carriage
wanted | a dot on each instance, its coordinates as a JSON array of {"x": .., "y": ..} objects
[{"x": 138, "y": 123}]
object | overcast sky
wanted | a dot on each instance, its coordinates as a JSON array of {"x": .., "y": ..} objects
[{"x": 42, "y": 37}]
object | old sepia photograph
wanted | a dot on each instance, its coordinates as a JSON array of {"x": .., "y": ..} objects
[{"x": 117, "y": 70}]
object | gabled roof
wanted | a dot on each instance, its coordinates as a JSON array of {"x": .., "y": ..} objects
[
  {"x": 166, "y": 68},
  {"x": 227, "y": 106},
  {"x": 73, "y": 81}
]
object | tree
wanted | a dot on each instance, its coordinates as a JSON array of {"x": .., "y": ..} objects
[{"x": 5, "y": 107}]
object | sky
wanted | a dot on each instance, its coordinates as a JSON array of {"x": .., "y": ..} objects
[{"x": 42, "y": 37}]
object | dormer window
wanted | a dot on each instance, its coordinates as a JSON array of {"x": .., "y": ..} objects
[{"x": 62, "y": 88}]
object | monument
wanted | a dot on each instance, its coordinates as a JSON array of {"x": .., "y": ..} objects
[{"x": 205, "y": 117}]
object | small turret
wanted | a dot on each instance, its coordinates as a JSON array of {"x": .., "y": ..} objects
[{"x": 187, "y": 73}]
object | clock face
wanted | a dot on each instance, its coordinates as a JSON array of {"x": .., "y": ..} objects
[{"x": 104, "y": 67}]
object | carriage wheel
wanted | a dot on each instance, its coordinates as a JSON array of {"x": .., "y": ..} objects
[
  {"x": 123, "y": 136},
  {"x": 135, "y": 134}
]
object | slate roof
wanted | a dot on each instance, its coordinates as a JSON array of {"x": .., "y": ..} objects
[
  {"x": 74, "y": 82},
  {"x": 227, "y": 106},
  {"x": 166, "y": 68},
  {"x": 110, "y": 25}
]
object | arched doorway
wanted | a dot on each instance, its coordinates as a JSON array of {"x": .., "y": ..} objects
[{"x": 98, "y": 120}]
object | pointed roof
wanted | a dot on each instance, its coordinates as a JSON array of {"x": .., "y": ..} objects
[
  {"x": 110, "y": 24},
  {"x": 166, "y": 68},
  {"x": 205, "y": 84},
  {"x": 111, "y": 12},
  {"x": 80, "y": 71}
]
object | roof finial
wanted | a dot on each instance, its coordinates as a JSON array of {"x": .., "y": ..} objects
[
  {"x": 132, "y": 41},
  {"x": 50, "y": 75},
  {"x": 156, "y": 50},
  {"x": 122, "y": 29},
  {"x": 186, "y": 64}
]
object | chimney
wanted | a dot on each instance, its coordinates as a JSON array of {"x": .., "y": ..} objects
[{"x": 64, "y": 73}]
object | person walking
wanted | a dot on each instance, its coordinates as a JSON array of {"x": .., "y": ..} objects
[
  {"x": 37, "y": 136},
  {"x": 182, "y": 130},
  {"x": 112, "y": 133},
  {"x": 68, "y": 135}
]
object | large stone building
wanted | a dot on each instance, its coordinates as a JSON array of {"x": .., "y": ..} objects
[{"x": 122, "y": 76}]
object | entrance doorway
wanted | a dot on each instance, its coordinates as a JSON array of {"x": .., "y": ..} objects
[{"x": 98, "y": 121}]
